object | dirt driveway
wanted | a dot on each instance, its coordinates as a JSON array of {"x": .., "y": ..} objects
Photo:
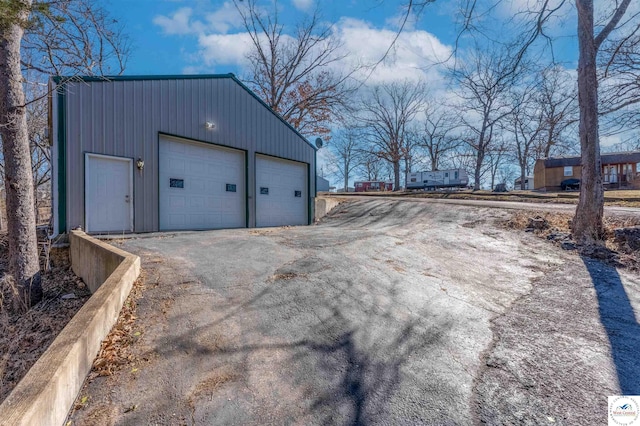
[{"x": 389, "y": 312}]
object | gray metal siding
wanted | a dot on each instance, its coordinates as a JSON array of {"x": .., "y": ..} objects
[{"x": 124, "y": 119}]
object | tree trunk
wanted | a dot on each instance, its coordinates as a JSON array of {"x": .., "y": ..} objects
[
  {"x": 396, "y": 175},
  {"x": 478, "y": 171},
  {"x": 523, "y": 172},
  {"x": 21, "y": 226},
  {"x": 434, "y": 163},
  {"x": 587, "y": 223},
  {"x": 407, "y": 169},
  {"x": 346, "y": 176}
]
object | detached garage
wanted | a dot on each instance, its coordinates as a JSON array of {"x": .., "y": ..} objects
[{"x": 156, "y": 153}]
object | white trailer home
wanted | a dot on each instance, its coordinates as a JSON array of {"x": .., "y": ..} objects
[{"x": 452, "y": 178}]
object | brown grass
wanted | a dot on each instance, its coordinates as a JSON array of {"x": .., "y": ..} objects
[
  {"x": 626, "y": 198},
  {"x": 558, "y": 222},
  {"x": 561, "y": 223}
]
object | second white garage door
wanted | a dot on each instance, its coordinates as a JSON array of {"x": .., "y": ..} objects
[
  {"x": 202, "y": 186},
  {"x": 281, "y": 192}
]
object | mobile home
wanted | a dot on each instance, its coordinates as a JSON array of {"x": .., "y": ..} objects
[{"x": 452, "y": 178}]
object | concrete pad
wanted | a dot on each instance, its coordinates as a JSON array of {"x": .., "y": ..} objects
[{"x": 387, "y": 312}]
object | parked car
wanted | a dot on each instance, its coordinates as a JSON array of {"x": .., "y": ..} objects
[
  {"x": 572, "y": 183},
  {"x": 501, "y": 187}
]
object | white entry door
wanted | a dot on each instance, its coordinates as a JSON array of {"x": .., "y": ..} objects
[
  {"x": 202, "y": 186},
  {"x": 281, "y": 192},
  {"x": 108, "y": 193}
]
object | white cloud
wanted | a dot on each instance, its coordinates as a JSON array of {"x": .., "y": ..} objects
[
  {"x": 414, "y": 56},
  {"x": 224, "y": 49},
  {"x": 225, "y": 18},
  {"x": 184, "y": 21},
  {"x": 408, "y": 23},
  {"x": 303, "y": 5},
  {"x": 179, "y": 23}
]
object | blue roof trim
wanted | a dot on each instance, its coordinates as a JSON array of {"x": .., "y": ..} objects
[{"x": 61, "y": 79}]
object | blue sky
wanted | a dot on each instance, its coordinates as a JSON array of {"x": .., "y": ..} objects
[{"x": 205, "y": 36}]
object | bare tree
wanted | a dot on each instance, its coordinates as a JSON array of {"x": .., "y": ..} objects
[
  {"x": 506, "y": 175},
  {"x": 619, "y": 71},
  {"x": 372, "y": 166},
  {"x": 73, "y": 37},
  {"x": 437, "y": 136},
  {"x": 617, "y": 29},
  {"x": 483, "y": 81},
  {"x": 293, "y": 74},
  {"x": 346, "y": 146},
  {"x": 496, "y": 158},
  {"x": 23, "y": 247},
  {"x": 37, "y": 115},
  {"x": 386, "y": 114},
  {"x": 50, "y": 31},
  {"x": 556, "y": 97},
  {"x": 587, "y": 224},
  {"x": 525, "y": 125}
]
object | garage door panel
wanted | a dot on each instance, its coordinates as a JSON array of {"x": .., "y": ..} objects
[
  {"x": 281, "y": 206},
  {"x": 199, "y": 168},
  {"x": 205, "y": 171},
  {"x": 176, "y": 165},
  {"x": 177, "y": 201}
]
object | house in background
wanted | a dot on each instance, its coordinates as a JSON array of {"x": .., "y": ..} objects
[
  {"x": 164, "y": 153},
  {"x": 373, "y": 186},
  {"x": 322, "y": 185},
  {"x": 528, "y": 183},
  {"x": 619, "y": 170}
]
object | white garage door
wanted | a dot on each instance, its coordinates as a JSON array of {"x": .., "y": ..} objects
[
  {"x": 202, "y": 186},
  {"x": 281, "y": 192}
]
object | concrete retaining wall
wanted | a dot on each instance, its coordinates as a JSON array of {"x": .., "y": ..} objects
[
  {"x": 324, "y": 205},
  {"x": 45, "y": 395},
  {"x": 93, "y": 260}
]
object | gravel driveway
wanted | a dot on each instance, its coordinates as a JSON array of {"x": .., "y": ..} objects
[{"x": 388, "y": 312}]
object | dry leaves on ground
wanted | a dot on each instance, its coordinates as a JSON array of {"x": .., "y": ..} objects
[
  {"x": 115, "y": 351},
  {"x": 25, "y": 337}
]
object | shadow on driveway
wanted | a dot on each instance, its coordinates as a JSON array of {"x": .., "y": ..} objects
[
  {"x": 620, "y": 323},
  {"x": 351, "y": 370}
]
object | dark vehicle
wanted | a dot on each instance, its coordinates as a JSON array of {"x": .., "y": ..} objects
[
  {"x": 501, "y": 187},
  {"x": 572, "y": 183}
]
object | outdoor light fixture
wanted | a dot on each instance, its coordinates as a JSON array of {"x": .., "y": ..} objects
[
  {"x": 140, "y": 164},
  {"x": 209, "y": 125}
]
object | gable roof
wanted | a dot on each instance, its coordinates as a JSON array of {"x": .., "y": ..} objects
[
  {"x": 107, "y": 78},
  {"x": 610, "y": 158}
]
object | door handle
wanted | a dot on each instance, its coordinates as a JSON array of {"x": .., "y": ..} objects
[{"x": 126, "y": 198}]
